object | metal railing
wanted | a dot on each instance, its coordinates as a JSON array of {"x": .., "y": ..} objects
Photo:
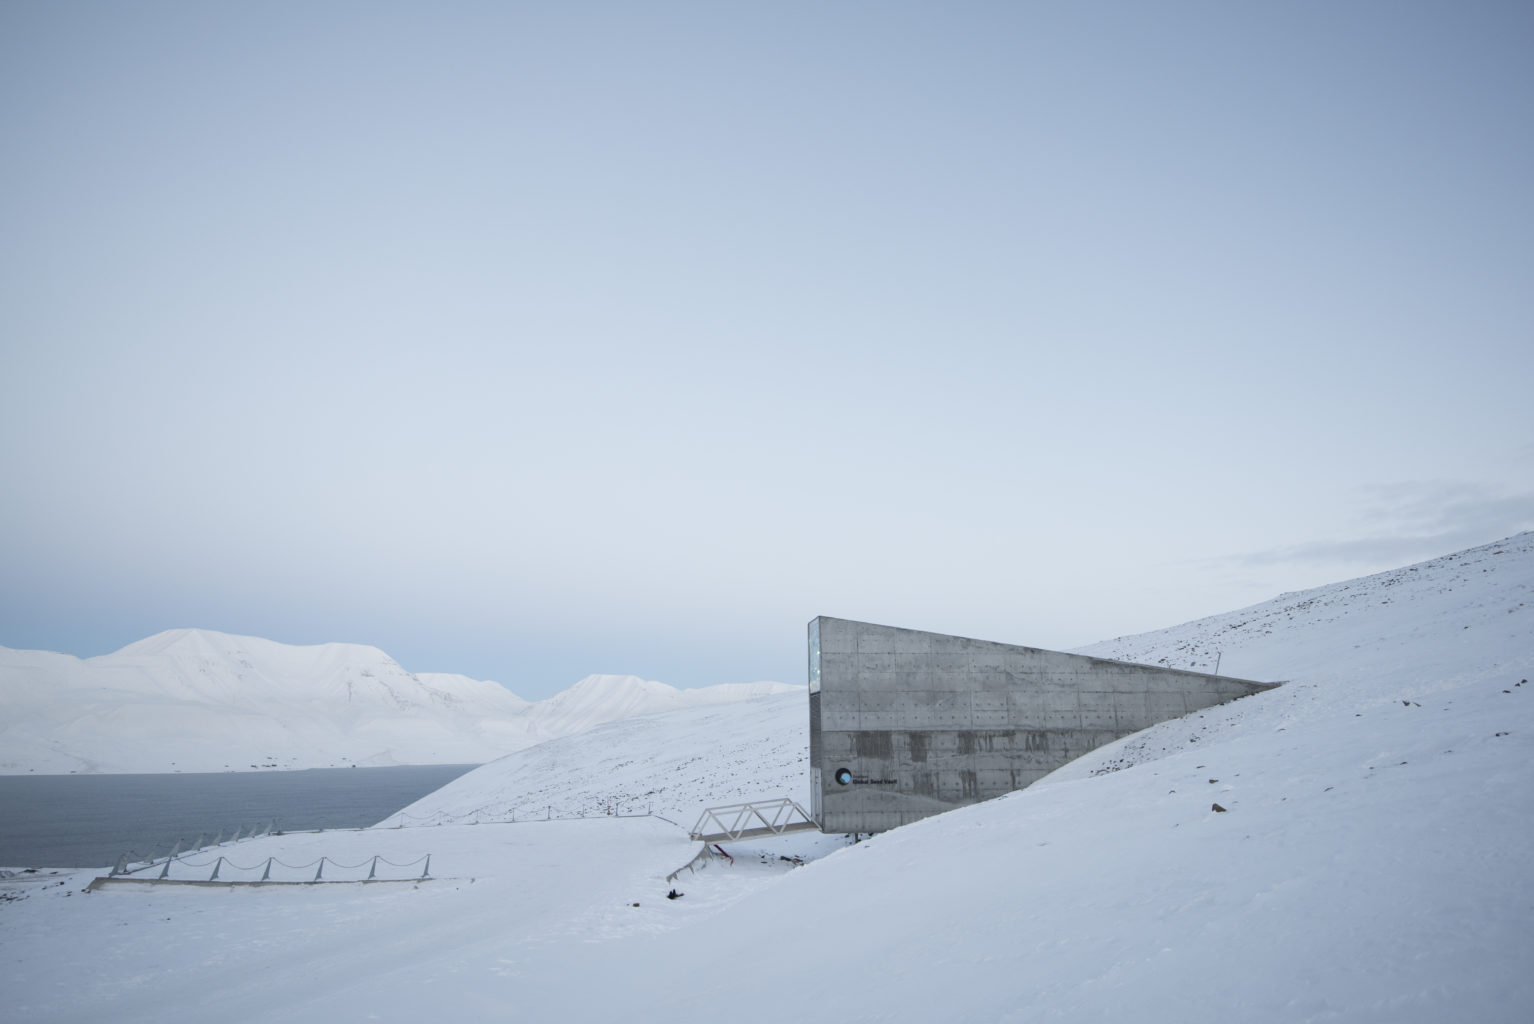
[
  {"x": 753, "y": 819},
  {"x": 230, "y": 872},
  {"x": 200, "y": 843}
]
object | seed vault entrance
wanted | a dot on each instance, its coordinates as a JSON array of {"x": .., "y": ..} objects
[{"x": 906, "y": 724}]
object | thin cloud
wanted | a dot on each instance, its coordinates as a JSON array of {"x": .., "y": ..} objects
[{"x": 1410, "y": 521}]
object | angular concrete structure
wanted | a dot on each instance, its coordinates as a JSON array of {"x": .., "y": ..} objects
[{"x": 905, "y": 724}]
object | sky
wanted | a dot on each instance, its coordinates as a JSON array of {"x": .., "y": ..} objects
[{"x": 528, "y": 341}]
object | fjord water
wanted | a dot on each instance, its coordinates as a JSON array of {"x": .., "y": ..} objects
[{"x": 84, "y": 821}]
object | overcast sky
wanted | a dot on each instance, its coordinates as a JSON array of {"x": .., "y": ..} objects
[{"x": 534, "y": 340}]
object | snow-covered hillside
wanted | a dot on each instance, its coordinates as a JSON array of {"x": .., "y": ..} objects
[
  {"x": 1396, "y": 636},
  {"x": 1352, "y": 846},
  {"x": 672, "y": 765},
  {"x": 196, "y": 700},
  {"x": 1422, "y": 622}
]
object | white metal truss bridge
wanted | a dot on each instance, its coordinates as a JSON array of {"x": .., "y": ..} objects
[{"x": 752, "y": 820}]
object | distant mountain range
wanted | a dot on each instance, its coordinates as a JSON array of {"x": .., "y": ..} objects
[{"x": 197, "y": 701}]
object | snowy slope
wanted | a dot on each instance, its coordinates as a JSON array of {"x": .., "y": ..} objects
[
  {"x": 1370, "y": 864},
  {"x": 1377, "y": 640},
  {"x": 1418, "y": 623},
  {"x": 196, "y": 700},
  {"x": 672, "y": 765}
]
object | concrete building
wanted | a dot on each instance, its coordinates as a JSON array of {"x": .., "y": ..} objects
[{"x": 904, "y": 724}]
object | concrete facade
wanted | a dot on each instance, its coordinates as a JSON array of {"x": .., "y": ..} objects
[{"x": 905, "y": 724}]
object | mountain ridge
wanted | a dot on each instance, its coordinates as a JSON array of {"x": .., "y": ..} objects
[{"x": 191, "y": 699}]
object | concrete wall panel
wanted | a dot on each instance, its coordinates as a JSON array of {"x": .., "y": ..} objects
[{"x": 919, "y": 723}]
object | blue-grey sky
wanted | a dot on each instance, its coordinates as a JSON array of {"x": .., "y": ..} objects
[{"x": 532, "y": 340}]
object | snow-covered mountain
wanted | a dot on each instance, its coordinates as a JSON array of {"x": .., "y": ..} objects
[
  {"x": 1352, "y": 846},
  {"x": 197, "y": 700}
]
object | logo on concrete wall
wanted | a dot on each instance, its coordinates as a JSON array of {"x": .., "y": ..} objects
[{"x": 844, "y": 777}]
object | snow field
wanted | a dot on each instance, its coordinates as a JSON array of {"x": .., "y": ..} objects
[
  {"x": 1370, "y": 863},
  {"x": 145, "y": 953}
]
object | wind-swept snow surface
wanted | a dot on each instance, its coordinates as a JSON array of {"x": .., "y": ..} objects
[
  {"x": 672, "y": 765},
  {"x": 1353, "y": 846},
  {"x": 196, "y": 700}
]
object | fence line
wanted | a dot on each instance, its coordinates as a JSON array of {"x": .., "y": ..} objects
[
  {"x": 222, "y": 862},
  {"x": 132, "y": 863},
  {"x": 200, "y": 843},
  {"x": 404, "y": 820}
]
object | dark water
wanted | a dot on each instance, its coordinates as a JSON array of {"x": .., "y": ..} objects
[{"x": 88, "y": 821}]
